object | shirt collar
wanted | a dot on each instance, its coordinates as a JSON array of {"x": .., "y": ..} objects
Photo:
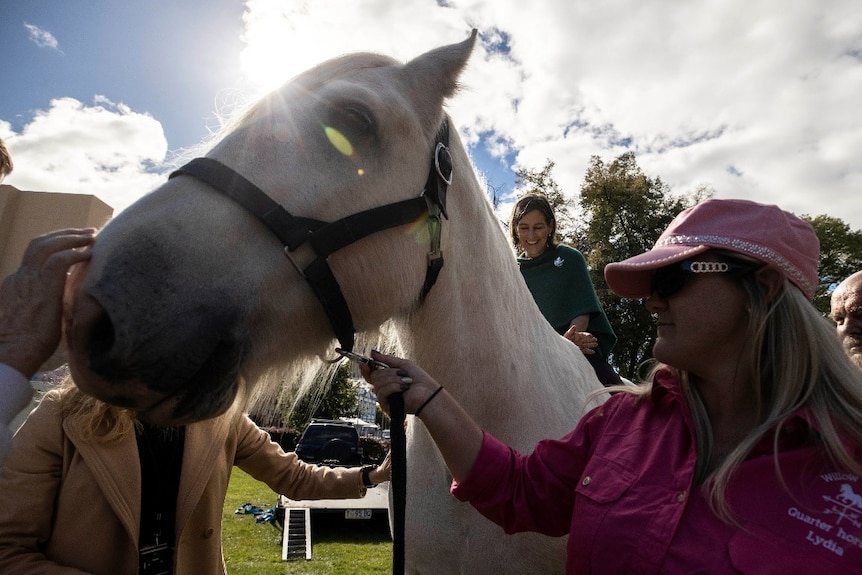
[{"x": 798, "y": 428}]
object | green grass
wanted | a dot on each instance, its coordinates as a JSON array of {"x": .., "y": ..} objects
[{"x": 339, "y": 546}]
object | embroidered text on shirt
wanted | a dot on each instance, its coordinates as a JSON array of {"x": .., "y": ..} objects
[{"x": 826, "y": 529}]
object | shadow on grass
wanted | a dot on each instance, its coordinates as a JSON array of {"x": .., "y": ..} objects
[{"x": 334, "y": 528}]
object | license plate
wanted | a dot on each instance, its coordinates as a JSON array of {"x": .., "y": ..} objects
[{"x": 357, "y": 514}]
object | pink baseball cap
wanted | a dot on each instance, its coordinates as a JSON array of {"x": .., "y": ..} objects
[{"x": 760, "y": 231}]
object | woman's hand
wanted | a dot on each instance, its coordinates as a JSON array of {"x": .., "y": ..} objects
[
  {"x": 402, "y": 376},
  {"x": 31, "y": 299},
  {"x": 585, "y": 341},
  {"x": 457, "y": 436},
  {"x": 382, "y": 472}
]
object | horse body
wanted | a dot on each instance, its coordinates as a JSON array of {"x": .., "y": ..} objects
[
  {"x": 189, "y": 299},
  {"x": 485, "y": 341}
]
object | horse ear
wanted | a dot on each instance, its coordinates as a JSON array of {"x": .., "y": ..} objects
[{"x": 436, "y": 72}]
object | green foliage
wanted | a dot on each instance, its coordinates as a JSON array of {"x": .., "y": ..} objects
[
  {"x": 381, "y": 418},
  {"x": 840, "y": 255},
  {"x": 373, "y": 449},
  {"x": 626, "y": 211},
  {"x": 337, "y": 400}
]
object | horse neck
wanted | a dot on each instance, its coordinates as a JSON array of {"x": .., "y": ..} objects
[{"x": 481, "y": 335}]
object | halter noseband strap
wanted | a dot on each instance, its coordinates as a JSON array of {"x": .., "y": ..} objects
[
  {"x": 327, "y": 238},
  {"x": 290, "y": 230}
]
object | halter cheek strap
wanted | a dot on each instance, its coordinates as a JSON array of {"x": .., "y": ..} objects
[{"x": 327, "y": 238}]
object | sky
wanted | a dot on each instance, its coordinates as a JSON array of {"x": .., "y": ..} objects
[{"x": 757, "y": 99}]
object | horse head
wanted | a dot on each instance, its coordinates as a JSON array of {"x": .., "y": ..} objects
[{"x": 191, "y": 296}]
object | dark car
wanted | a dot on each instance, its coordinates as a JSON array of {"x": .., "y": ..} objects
[{"x": 333, "y": 443}]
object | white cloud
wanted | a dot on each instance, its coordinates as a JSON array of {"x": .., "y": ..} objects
[
  {"x": 752, "y": 98},
  {"x": 5, "y": 130},
  {"x": 42, "y": 37},
  {"x": 103, "y": 149},
  {"x": 286, "y": 38}
]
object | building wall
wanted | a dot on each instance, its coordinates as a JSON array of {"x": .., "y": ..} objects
[
  {"x": 25, "y": 215},
  {"x": 366, "y": 402}
]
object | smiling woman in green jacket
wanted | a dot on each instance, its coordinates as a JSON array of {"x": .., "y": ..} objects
[{"x": 558, "y": 277}]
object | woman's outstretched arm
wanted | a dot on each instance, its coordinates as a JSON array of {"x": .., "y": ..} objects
[{"x": 457, "y": 436}]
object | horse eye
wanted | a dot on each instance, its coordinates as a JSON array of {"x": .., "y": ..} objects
[{"x": 353, "y": 118}]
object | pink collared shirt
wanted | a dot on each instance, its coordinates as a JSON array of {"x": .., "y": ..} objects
[{"x": 620, "y": 485}]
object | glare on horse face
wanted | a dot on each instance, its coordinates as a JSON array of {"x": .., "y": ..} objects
[{"x": 189, "y": 299}]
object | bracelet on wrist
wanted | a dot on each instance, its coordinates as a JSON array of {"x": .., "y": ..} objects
[
  {"x": 427, "y": 401},
  {"x": 366, "y": 476}
]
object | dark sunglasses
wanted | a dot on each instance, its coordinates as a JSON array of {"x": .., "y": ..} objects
[{"x": 670, "y": 279}]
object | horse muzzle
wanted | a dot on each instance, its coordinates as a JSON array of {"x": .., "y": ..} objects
[{"x": 140, "y": 352}]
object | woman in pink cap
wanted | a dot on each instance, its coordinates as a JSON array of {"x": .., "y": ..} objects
[{"x": 738, "y": 454}]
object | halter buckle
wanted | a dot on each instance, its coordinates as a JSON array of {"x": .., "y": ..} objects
[
  {"x": 447, "y": 163},
  {"x": 292, "y": 261}
]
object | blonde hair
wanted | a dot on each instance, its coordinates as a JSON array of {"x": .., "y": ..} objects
[
  {"x": 102, "y": 422},
  {"x": 795, "y": 361},
  {"x": 6, "y": 165},
  {"x": 95, "y": 420}
]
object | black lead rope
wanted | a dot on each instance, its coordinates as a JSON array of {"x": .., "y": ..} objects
[{"x": 398, "y": 484}]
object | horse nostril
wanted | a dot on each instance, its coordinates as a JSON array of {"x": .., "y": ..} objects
[
  {"x": 91, "y": 335},
  {"x": 102, "y": 339}
]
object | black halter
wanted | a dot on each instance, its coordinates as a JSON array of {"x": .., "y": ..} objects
[{"x": 327, "y": 238}]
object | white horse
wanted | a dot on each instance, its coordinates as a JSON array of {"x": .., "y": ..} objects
[{"x": 189, "y": 298}]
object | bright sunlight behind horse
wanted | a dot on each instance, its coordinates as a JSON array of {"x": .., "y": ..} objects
[{"x": 191, "y": 299}]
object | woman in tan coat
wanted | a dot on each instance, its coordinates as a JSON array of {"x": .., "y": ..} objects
[
  {"x": 71, "y": 490},
  {"x": 91, "y": 489}
]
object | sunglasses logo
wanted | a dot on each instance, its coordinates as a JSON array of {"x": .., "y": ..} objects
[
  {"x": 707, "y": 267},
  {"x": 670, "y": 279}
]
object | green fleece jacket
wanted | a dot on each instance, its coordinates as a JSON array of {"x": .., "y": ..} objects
[{"x": 560, "y": 283}]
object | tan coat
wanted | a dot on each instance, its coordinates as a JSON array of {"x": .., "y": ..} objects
[{"x": 70, "y": 507}]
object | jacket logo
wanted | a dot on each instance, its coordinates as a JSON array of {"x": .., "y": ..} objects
[{"x": 559, "y": 262}]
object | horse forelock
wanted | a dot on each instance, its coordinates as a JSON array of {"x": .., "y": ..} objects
[
  {"x": 340, "y": 67},
  {"x": 309, "y": 80}
]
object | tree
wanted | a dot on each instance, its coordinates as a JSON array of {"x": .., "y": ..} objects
[
  {"x": 339, "y": 400},
  {"x": 840, "y": 255},
  {"x": 494, "y": 192},
  {"x": 625, "y": 213}
]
